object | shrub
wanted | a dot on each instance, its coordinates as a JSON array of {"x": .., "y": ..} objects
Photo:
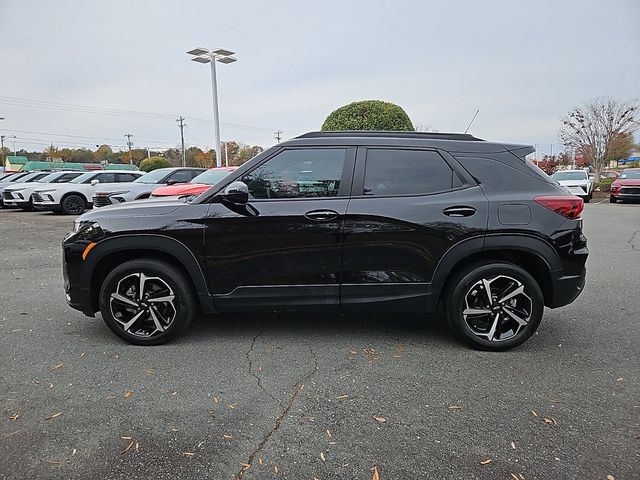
[
  {"x": 604, "y": 185},
  {"x": 369, "y": 115},
  {"x": 153, "y": 163}
]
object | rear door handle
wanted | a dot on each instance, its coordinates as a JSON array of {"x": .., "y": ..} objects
[
  {"x": 459, "y": 211},
  {"x": 321, "y": 215}
]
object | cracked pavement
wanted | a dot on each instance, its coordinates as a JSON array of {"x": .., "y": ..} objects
[{"x": 294, "y": 395}]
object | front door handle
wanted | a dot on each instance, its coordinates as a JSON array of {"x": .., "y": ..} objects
[
  {"x": 321, "y": 215},
  {"x": 459, "y": 211}
]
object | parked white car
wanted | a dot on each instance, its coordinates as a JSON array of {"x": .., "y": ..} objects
[
  {"x": 142, "y": 188},
  {"x": 20, "y": 194},
  {"x": 577, "y": 182},
  {"x": 20, "y": 177},
  {"x": 75, "y": 197}
]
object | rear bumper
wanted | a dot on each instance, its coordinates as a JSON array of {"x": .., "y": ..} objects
[{"x": 567, "y": 288}]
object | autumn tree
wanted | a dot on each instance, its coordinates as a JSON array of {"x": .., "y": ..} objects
[
  {"x": 102, "y": 152},
  {"x": 598, "y": 129}
]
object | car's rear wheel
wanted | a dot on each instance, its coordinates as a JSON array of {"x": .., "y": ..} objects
[
  {"x": 612, "y": 199},
  {"x": 73, "y": 204},
  {"x": 494, "y": 306},
  {"x": 147, "y": 302}
]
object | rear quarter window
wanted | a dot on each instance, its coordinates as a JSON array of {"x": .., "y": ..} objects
[{"x": 498, "y": 175}]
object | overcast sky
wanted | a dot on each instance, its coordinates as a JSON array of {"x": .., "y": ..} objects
[{"x": 523, "y": 64}]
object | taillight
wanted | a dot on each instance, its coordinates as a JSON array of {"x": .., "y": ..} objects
[{"x": 566, "y": 205}]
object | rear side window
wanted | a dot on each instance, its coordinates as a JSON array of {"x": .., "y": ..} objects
[
  {"x": 126, "y": 177},
  {"x": 407, "y": 172},
  {"x": 106, "y": 178}
]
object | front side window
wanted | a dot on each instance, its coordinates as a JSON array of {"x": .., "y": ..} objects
[
  {"x": 106, "y": 178},
  {"x": 298, "y": 173},
  {"x": 407, "y": 172},
  {"x": 181, "y": 176}
]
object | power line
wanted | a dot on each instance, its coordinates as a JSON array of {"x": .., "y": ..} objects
[{"x": 48, "y": 105}]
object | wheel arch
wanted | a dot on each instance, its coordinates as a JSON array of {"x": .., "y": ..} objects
[
  {"x": 114, "y": 251},
  {"x": 532, "y": 254}
]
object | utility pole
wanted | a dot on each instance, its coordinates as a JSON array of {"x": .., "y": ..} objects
[
  {"x": 278, "y": 135},
  {"x": 129, "y": 144},
  {"x": 181, "y": 124}
]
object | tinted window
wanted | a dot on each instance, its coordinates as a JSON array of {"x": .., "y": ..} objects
[
  {"x": 403, "y": 172},
  {"x": 300, "y": 173},
  {"x": 181, "y": 176},
  {"x": 106, "y": 177},
  {"x": 126, "y": 177},
  {"x": 67, "y": 177},
  {"x": 570, "y": 176},
  {"x": 194, "y": 173}
]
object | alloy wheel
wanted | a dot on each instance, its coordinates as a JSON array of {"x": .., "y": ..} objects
[
  {"x": 497, "y": 309},
  {"x": 74, "y": 205},
  {"x": 143, "y": 305}
]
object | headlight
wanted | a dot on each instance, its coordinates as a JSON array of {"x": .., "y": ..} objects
[{"x": 85, "y": 226}]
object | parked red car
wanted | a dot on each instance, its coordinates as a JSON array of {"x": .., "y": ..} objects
[
  {"x": 626, "y": 186},
  {"x": 196, "y": 186},
  {"x": 609, "y": 174}
]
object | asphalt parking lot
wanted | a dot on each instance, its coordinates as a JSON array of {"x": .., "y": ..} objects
[{"x": 303, "y": 397}]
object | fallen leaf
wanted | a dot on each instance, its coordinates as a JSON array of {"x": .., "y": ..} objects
[
  {"x": 328, "y": 433},
  {"x": 189, "y": 454},
  {"x": 610, "y": 477},
  {"x": 137, "y": 446},
  {"x": 513, "y": 445},
  {"x": 232, "y": 405},
  {"x": 228, "y": 437},
  {"x": 54, "y": 416},
  {"x": 131, "y": 444},
  {"x": 455, "y": 407},
  {"x": 486, "y": 461},
  {"x": 376, "y": 475},
  {"x": 260, "y": 461},
  {"x": 550, "y": 420},
  {"x": 246, "y": 466},
  {"x": 514, "y": 476},
  {"x": 371, "y": 354},
  {"x": 215, "y": 399},
  {"x": 174, "y": 429},
  {"x": 128, "y": 394},
  {"x": 534, "y": 413},
  {"x": 82, "y": 354},
  {"x": 60, "y": 365},
  {"x": 276, "y": 470},
  {"x": 342, "y": 397},
  {"x": 73, "y": 452},
  {"x": 126, "y": 438},
  {"x": 619, "y": 379},
  {"x": 173, "y": 392},
  {"x": 379, "y": 418},
  {"x": 111, "y": 397},
  {"x": 322, "y": 457},
  {"x": 14, "y": 417}
]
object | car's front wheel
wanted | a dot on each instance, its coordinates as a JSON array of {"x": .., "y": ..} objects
[
  {"x": 612, "y": 199},
  {"x": 73, "y": 204},
  {"x": 146, "y": 301},
  {"x": 494, "y": 306}
]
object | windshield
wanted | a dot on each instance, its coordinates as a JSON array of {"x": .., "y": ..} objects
[
  {"x": 635, "y": 174},
  {"x": 570, "y": 176},
  {"x": 211, "y": 176},
  {"x": 84, "y": 177},
  {"x": 10, "y": 177},
  {"x": 155, "y": 176}
]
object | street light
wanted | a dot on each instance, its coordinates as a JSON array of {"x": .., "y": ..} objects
[{"x": 202, "y": 55}]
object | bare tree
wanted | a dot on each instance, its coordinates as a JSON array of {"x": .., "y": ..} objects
[{"x": 596, "y": 128}]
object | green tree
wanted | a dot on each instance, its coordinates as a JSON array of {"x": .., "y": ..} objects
[
  {"x": 369, "y": 115},
  {"x": 102, "y": 152},
  {"x": 153, "y": 163}
]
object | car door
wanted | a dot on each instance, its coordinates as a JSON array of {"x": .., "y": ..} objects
[
  {"x": 284, "y": 248},
  {"x": 408, "y": 207}
]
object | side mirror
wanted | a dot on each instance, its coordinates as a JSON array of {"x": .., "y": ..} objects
[
  {"x": 172, "y": 181},
  {"x": 95, "y": 182},
  {"x": 236, "y": 193}
]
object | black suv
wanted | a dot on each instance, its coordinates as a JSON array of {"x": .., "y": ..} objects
[{"x": 346, "y": 221}]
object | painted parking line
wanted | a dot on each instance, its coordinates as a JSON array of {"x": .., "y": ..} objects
[{"x": 602, "y": 201}]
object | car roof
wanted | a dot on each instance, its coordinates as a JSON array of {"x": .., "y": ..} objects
[{"x": 451, "y": 142}]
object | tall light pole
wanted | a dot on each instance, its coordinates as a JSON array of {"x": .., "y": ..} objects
[{"x": 203, "y": 55}]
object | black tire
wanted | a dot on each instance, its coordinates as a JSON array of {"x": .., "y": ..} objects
[
  {"x": 173, "y": 318},
  {"x": 586, "y": 198},
  {"x": 29, "y": 206},
  {"x": 612, "y": 199},
  {"x": 466, "y": 282},
  {"x": 73, "y": 204}
]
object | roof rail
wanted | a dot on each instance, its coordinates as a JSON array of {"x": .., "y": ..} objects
[{"x": 388, "y": 134}]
